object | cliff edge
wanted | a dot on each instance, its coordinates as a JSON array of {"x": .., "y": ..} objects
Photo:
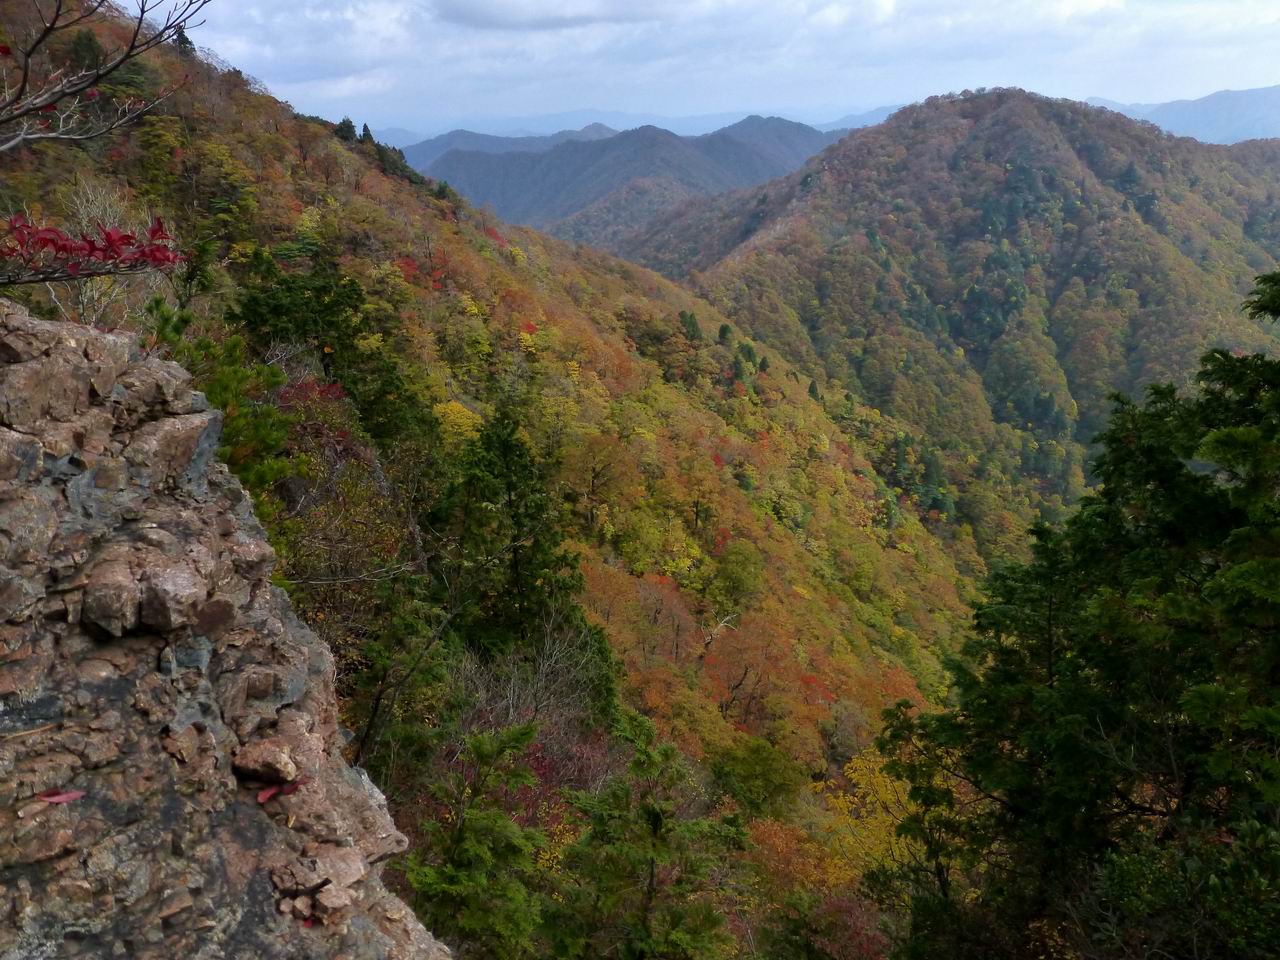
[{"x": 171, "y": 784}]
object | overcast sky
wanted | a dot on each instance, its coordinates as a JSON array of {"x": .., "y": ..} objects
[{"x": 431, "y": 64}]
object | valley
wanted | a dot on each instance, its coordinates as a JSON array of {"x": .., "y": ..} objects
[{"x": 778, "y": 542}]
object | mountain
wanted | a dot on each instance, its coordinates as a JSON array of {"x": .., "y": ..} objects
[
  {"x": 422, "y": 154},
  {"x": 593, "y": 192},
  {"x": 867, "y": 118},
  {"x": 555, "y": 518},
  {"x": 397, "y": 136},
  {"x": 988, "y": 269},
  {"x": 1228, "y": 116},
  {"x": 549, "y": 123}
]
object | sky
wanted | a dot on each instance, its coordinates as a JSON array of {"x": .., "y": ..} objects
[{"x": 429, "y": 65}]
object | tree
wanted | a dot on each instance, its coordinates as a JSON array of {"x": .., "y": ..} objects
[
  {"x": 472, "y": 874},
  {"x": 1108, "y": 777},
  {"x": 345, "y": 130},
  {"x": 640, "y": 879},
  {"x": 504, "y": 548},
  {"x": 43, "y": 100},
  {"x": 180, "y": 40}
]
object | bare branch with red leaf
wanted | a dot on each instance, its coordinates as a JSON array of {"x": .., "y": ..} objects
[
  {"x": 31, "y": 254},
  {"x": 41, "y": 101}
]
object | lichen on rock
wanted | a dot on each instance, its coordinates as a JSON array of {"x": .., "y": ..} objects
[{"x": 171, "y": 782}]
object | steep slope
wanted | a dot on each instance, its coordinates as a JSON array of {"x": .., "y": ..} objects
[
  {"x": 590, "y": 192},
  {"x": 1228, "y": 116},
  {"x": 988, "y": 269},
  {"x": 421, "y": 154},
  {"x": 520, "y": 486},
  {"x": 174, "y": 784}
]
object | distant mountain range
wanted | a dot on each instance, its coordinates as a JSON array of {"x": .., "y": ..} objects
[
  {"x": 593, "y": 187},
  {"x": 856, "y": 121},
  {"x": 1228, "y": 116},
  {"x": 421, "y": 155}
]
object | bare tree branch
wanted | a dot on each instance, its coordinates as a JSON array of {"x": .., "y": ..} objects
[{"x": 58, "y": 104}]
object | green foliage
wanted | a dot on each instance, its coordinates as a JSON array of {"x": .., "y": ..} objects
[
  {"x": 253, "y": 430},
  {"x": 472, "y": 875},
  {"x": 641, "y": 878},
  {"x": 345, "y": 130},
  {"x": 689, "y": 322},
  {"x": 506, "y": 540},
  {"x": 1112, "y": 754},
  {"x": 329, "y": 312},
  {"x": 86, "y": 52},
  {"x": 762, "y": 779}
]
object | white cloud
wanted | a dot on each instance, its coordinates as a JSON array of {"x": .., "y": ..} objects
[{"x": 427, "y": 62}]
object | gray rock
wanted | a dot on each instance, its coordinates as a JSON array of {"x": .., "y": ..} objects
[{"x": 147, "y": 660}]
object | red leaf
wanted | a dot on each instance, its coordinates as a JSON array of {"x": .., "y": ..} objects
[
  {"x": 292, "y": 786},
  {"x": 266, "y": 793},
  {"x": 92, "y": 93},
  {"x": 6, "y": 50},
  {"x": 55, "y": 796},
  {"x": 309, "y": 922}
]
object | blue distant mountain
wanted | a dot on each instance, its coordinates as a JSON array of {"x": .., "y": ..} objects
[{"x": 1228, "y": 116}]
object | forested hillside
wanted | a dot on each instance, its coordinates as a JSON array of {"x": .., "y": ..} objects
[
  {"x": 988, "y": 269},
  {"x": 552, "y": 513},
  {"x": 595, "y": 192},
  {"x": 653, "y": 606}
]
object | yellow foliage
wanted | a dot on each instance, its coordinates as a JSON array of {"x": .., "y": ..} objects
[
  {"x": 457, "y": 423},
  {"x": 862, "y": 833}
]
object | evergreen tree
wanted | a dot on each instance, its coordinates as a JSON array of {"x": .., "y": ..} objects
[
  {"x": 639, "y": 883},
  {"x": 185, "y": 47},
  {"x": 505, "y": 540},
  {"x": 86, "y": 52},
  {"x": 345, "y": 130},
  {"x": 473, "y": 872},
  {"x": 1109, "y": 776}
]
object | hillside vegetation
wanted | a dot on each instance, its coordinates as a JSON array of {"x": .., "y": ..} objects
[
  {"x": 653, "y": 606},
  {"x": 987, "y": 270},
  {"x": 552, "y": 513}
]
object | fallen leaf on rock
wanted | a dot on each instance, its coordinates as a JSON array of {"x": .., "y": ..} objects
[
  {"x": 292, "y": 787},
  {"x": 56, "y": 796},
  {"x": 266, "y": 793}
]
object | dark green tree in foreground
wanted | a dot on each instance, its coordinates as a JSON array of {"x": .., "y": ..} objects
[
  {"x": 639, "y": 882},
  {"x": 1108, "y": 782}
]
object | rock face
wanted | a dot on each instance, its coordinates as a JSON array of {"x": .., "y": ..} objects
[{"x": 170, "y": 778}]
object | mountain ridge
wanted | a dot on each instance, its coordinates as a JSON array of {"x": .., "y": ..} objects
[
  {"x": 422, "y": 154},
  {"x": 1225, "y": 116},
  {"x": 552, "y": 187},
  {"x": 1026, "y": 256}
]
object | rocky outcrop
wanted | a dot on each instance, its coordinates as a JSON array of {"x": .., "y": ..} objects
[{"x": 171, "y": 784}]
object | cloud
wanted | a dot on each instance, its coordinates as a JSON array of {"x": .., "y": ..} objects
[
  {"x": 520, "y": 15},
  {"x": 430, "y": 63}
]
